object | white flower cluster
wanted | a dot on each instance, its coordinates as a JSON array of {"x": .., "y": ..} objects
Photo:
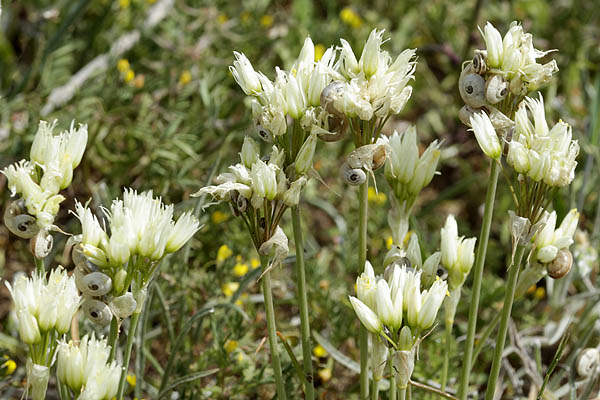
[
  {"x": 85, "y": 369},
  {"x": 406, "y": 171},
  {"x": 374, "y": 85},
  {"x": 399, "y": 300},
  {"x": 541, "y": 153},
  {"x": 53, "y": 158},
  {"x": 458, "y": 253},
  {"x": 43, "y": 306},
  {"x": 253, "y": 181},
  {"x": 516, "y": 59},
  {"x": 139, "y": 225},
  {"x": 550, "y": 241}
]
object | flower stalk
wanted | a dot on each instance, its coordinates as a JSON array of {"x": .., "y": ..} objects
[
  {"x": 363, "y": 209},
  {"x": 133, "y": 323}
]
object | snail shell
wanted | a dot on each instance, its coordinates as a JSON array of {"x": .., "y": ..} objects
[
  {"x": 123, "y": 306},
  {"x": 369, "y": 157},
  {"x": 94, "y": 284},
  {"x": 241, "y": 203},
  {"x": 561, "y": 265},
  {"x": 97, "y": 311},
  {"x": 587, "y": 362},
  {"x": 379, "y": 156},
  {"x": 19, "y": 222},
  {"x": 353, "y": 176},
  {"x": 496, "y": 89},
  {"x": 330, "y": 94},
  {"x": 479, "y": 64},
  {"x": 41, "y": 244},
  {"x": 465, "y": 114},
  {"x": 264, "y": 134},
  {"x": 472, "y": 88},
  {"x": 337, "y": 126},
  {"x": 77, "y": 255}
]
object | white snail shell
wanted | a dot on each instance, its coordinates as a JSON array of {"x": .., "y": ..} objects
[
  {"x": 472, "y": 88},
  {"x": 77, "y": 255},
  {"x": 465, "y": 114},
  {"x": 19, "y": 222},
  {"x": 123, "y": 306},
  {"x": 264, "y": 134},
  {"x": 331, "y": 93},
  {"x": 561, "y": 265},
  {"x": 41, "y": 244},
  {"x": 496, "y": 89},
  {"x": 94, "y": 284},
  {"x": 97, "y": 311},
  {"x": 353, "y": 176},
  {"x": 588, "y": 361},
  {"x": 479, "y": 64}
]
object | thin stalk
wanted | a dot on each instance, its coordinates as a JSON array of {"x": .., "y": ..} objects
[
  {"x": 39, "y": 266},
  {"x": 303, "y": 302},
  {"x": 130, "y": 335},
  {"x": 484, "y": 337},
  {"x": 431, "y": 389},
  {"x": 363, "y": 208},
  {"x": 113, "y": 338},
  {"x": 139, "y": 345},
  {"x": 513, "y": 274},
  {"x": 375, "y": 390},
  {"x": 271, "y": 329},
  {"x": 448, "y": 340},
  {"x": 402, "y": 394},
  {"x": 393, "y": 394},
  {"x": 478, "y": 278}
]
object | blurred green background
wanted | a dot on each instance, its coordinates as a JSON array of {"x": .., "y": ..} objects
[{"x": 151, "y": 79}]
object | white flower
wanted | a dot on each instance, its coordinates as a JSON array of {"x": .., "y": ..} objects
[
  {"x": 486, "y": 135},
  {"x": 183, "y": 230},
  {"x": 92, "y": 232},
  {"x": 458, "y": 253},
  {"x": 366, "y": 286},
  {"x": 449, "y": 237},
  {"x": 493, "y": 43},
  {"x": 291, "y": 197},
  {"x": 432, "y": 301},
  {"x": 28, "y": 327},
  {"x": 548, "y": 241},
  {"x": 249, "y": 153},
  {"x": 264, "y": 180},
  {"x": 425, "y": 169},
  {"x": 388, "y": 310},
  {"x": 369, "y": 59},
  {"x": 245, "y": 75},
  {"x": 347, "y": 64},
  {"x": 368, "y": 318},
  {"x": 304, "y": 159}
]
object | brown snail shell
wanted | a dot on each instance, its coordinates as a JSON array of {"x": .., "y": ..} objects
[
  {"x": 330, "y": 94},
  {"x": 479, "y": 64},
  {"x": 41, "y": 244},
  {"x": 465, "y": 114},
  {"x": 561, "y": 265},
  {"x": 337, "y": 126},
  {"x": 19, "y": 222},
  {"x": 379, "y": 156}
]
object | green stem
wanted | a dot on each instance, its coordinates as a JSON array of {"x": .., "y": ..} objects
[
  {"x": 401, "y": 394},
  {"x": 513, "y": 274},
  {"x": 271, "y": 329},
  {"x": 113, "y": 338},
  {"x": 485, "y": 335},
  {"x": 363, "y": 207},
  {"x": 375, "y": 390},
  {"x": 448, "y": 340},
  {"x": 393, "y": 394},
  {"x": 39, "y": 266},
  {"x": 478, "y": 278},
  {"x": 303, "y": 302},
  {"x": 130, "y": 335}
]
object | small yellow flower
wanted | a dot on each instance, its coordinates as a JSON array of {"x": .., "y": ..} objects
[
  {"x": 254, "y": 262},
  {"x": 219, "y": 217},
  {"x": 540, "y": 293},
  {"x": 151, "y": 1},
  {"x": 230, "y": 346},
  {"x": 319, "y": 51},
  {"x": 240, "y": 269},
  {"x": 240, "y": 357},
  {"x": 9, "y": 366},
  {"x": 389, "y": 241},
  {"x": 230, "y": 288},
  {"x": 223, "y": 253},
  {"x": 131, "y": 379},
  {"x": 266, "y": 20},
  {"x": 123, "y": 65},
  {"x": 350, "y": 17},
  {"x": 185, "y": 78},
  {"x": 319, "y": 351},
  {"x": 124, "y": 3},
  {"x": 531, "y": 289},
  {"x": 222, "y": 18},
  {"x": 324, "y": 374},
  {"x": 129, "y": 75}
]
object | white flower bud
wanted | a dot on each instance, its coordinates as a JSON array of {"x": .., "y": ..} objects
[
  {"x": 245, "y": 76},
  {"x": 389, "y": 312},
  {"x": 369, "y": 59},
  {"x": 249, "y": 153},
  {"x": 517, "y": 157},
  {"x": 486, "y": 135},
  {"x": 304, "y": 159},
  {"x": 291, "y": 197},
  {"x": 449, "y": 239},
  {"x": 264, "y": 180},
  {"x": 368, "y": 318},
  {"x": 466, "y": 255},
  {"x": 493, "y": 43},
  {"x": 366, "y": 286},
  {"x": 547, "y": 253},
  {"x": 28, "y": 327},
  {"x": 432, "y": 301},
  {"x": 347, "y": 65},
  {"x": 37, "y": 379},
  {"x": 183, "y": 230}
]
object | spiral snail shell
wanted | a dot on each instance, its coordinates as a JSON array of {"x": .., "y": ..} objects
[
  {"x": 264, "y": 133},
  {"x": 588, "y": 361},
  {"x": 97, "y": 311},
  {"x": 41, "y": 244},
  {"x": 123, "y": 306},
  {"x": 330, "y": 94},
  {"x": 471, "y": 87},
  {"x": 496, "y": 89},
  {"x": 337, "y": 128},
  {"x": 465, "y": 114},
  {"x": 353, "y": 176},
  {"x": 479, "y": 64},
  {"x": 561, "y": 265},
  {"x": 19, "y": 222},
  {"x": 94, "y": 284}
]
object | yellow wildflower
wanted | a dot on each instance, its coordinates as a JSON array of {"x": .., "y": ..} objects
[
  {"x": 151, "y": 1},
  {"x": 324, "y": 374},
  {"x": 350, "y": 17},
  {"x": 223, "y": 253},
  {"x": 230, "y": 288},
  {"x": 540, "y": 293},
  {"x": 131, "y": 379},
  {"x": 9, "y": 366},
  {"x": 376, "y": 197},
  {"x": 222, "y": 18},
  {"x": 123, "y": 65},
  {"x": 219, "y": 216},
  {"x": 266, "y": 20},
  {"x": 240, "y": 269},
  {"x": 319, "y": 351},
  {"x": 185, "y": 78},
  {"x": 124, "y": 3},
  {"x": 230, "y": 346},
  {"x": 254, "y": 262},
  {"x": 129, "y": 75},
  {"x": 319, "y": 51},
  {"x": 389, "y": 241}
]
